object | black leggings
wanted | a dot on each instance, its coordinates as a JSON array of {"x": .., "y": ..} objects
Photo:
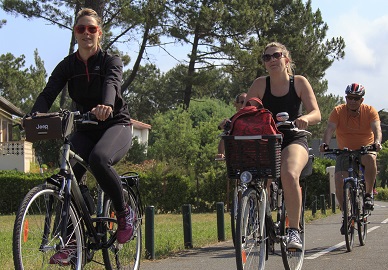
[{"x": 102, "y": 149}]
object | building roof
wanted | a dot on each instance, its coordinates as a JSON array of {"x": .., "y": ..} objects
[
  {"x": 140, "y": 125},
  {"x": 9, "y": 107}
]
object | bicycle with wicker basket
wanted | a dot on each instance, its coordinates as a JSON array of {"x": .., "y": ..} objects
[
  {"x": 56, "y": 215},
  {"x": 254, "y": 161}
]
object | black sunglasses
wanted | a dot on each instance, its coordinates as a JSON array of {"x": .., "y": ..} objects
[
  {"x": 353, "y": 98},
  {"x": 268, "y": 57}
]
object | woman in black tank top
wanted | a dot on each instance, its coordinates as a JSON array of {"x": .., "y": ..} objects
[{"x": 281, "y": 91}]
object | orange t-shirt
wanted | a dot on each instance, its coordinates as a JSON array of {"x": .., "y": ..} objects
[{"x": 354, "y": 132}]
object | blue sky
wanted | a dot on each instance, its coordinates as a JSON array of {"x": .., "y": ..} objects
[{"x": 363, "y": 25}]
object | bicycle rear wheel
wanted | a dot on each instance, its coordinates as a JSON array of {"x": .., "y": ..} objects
[
  {"x": 250, "y": 233},
  {"x": 36, "y": 236},
  {"x": 362, "y": 217},
  {"x": 122, "y": 256},
  {"x": 349, "y": 211},
  {"x": 292, "y": 259}
]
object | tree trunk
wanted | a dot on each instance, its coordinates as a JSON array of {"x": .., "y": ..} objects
[
  {"x": 191, "y": 72},
  {"x": 136, "y": 66}
]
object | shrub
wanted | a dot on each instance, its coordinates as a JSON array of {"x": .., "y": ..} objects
[
  {"x": 15, "y": 186},
  {"x": 318, "y": 182},
  {"x": 382, "y": 194}
]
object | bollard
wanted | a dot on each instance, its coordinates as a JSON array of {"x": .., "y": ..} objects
[
  {"x": 333, "y": 202},
  {"x": 323, "y": 205},
  {"x": 150, "y": 232},
  {"x": 314, "y": 206},
  {"x": 187, "y": 228},
  {"x": 220, "y": 221}
]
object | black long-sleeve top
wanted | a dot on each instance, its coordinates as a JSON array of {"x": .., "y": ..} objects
[{"x": 97, "y": 81}]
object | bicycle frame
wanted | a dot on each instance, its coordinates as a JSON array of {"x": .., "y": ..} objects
[
  {"x": 356, "y": 180},
  {"x": 68, "y": 185}
]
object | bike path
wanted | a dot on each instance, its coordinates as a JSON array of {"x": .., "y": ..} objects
[{"x": 325, "y": 249}]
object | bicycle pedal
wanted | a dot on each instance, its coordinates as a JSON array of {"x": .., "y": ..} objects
[{"x": 294, "y": 250}]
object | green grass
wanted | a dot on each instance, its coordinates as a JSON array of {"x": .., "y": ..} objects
[
  {"x": 169, "y": 237},
  {"x": 6, "y": 228}
]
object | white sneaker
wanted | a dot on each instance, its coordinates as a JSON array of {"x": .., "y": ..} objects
[{"x": 294, "y": 241}]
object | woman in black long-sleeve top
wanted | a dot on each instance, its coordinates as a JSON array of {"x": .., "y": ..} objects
[{"x": 94, "y": 83}]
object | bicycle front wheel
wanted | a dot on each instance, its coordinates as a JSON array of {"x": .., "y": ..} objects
[
  {"x": 233, "y": 214},
  {"x": 36, "y": 235},
  {"x": 349, "y": 211},
  {"x": 250, "y": 233},
  {"x": 122, "y": 256},
  {"x": 292, "y": 259}
]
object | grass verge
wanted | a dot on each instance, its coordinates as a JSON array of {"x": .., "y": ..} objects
[{"x": 169, "y": 238}]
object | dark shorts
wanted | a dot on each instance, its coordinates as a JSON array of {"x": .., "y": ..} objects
[
  {"x": 342, "y": 162},
  {"x": 296, "y": 140}
]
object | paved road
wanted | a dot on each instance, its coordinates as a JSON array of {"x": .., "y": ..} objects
[{"x": 325, "y": 249}]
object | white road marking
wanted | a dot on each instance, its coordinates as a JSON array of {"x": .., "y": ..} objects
[{"x": 325, "y": 251}]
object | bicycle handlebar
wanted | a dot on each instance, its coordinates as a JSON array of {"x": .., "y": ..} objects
[
  {"x": 363, "y": 150},
  {"x": 290, "y": 125},
  {"x": 86, "y": 118}
]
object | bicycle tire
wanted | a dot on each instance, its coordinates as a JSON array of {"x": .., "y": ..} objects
[
  {"x": 250, "y": 242},
  {"x": 292, "y": 259},
  {"x": 33, "y": 246},
  {"x": 362, "y": 217},
  {"x": 349, "y": 211},
  {"x": 233, "y": 215},
  {"x": 122, "y": 256}
]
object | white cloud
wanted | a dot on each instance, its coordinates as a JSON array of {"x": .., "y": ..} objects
[{"x": 365, "y": 56}]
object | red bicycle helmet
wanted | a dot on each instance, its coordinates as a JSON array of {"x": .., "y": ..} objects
[{"x": 355, "y": 89}]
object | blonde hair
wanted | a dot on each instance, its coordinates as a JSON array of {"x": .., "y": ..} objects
[
  {"x": 286, "y": 53},
  {"x": 89, "y": 12}
]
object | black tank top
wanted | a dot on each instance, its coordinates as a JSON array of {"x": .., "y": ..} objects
[{"x": 290, "y": 102}]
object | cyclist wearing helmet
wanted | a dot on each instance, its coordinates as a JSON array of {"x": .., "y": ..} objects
[{"x": 356, "y": 125}]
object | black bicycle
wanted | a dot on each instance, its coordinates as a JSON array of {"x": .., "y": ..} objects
[
  {"x": 355, "y": 213},
  {"x": 55, "y": 215}
]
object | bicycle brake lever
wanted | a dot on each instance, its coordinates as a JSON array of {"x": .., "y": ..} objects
[
  {"x": 302, "y": 131},
  {"x": 89, "y": 122}
]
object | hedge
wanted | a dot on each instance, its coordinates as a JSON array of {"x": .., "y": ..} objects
[
  {"x": 15, "y": 186},
  {"x": 164, "y": 186}
]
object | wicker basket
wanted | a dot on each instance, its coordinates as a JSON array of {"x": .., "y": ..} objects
[{"x": 260, "y": 155}]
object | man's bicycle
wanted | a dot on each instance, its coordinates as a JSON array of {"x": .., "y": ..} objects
[
  {"x": 253, "y": 160},
  {"x": 55, "y": 216},
  {"x": 355, "y": 213}
]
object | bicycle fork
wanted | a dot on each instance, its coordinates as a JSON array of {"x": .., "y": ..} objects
[
  {"x": 266, "y": 216},
  {"x": 354, "y": 196}
]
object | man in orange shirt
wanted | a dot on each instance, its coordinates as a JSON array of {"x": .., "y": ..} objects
[{"x": 356, "y": 125}]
